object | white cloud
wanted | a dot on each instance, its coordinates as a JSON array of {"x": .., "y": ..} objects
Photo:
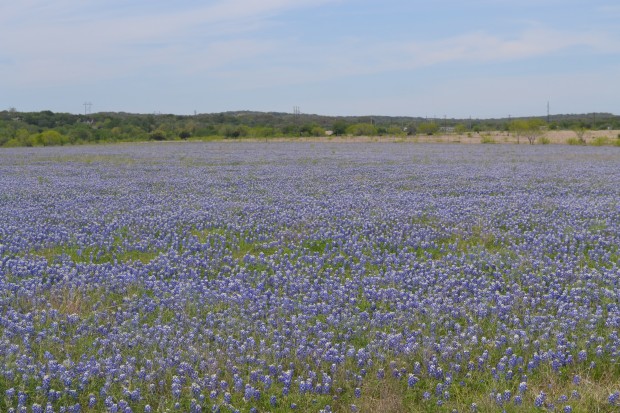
[
  {"x": 359, "y": 57},
  {"x": 71, "y": 41},
  {"x": 487, "y": 47}
]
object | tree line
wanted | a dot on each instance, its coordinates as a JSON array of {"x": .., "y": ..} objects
[{"x": 46, "y": 128}]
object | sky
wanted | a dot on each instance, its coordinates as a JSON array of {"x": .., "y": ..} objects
[{"x": 478, "y": 58}]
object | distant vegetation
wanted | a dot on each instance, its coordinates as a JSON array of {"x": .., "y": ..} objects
[{"x": 47, "y": 128}]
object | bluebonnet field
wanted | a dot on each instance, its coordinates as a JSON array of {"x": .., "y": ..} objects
[{"x": 318, "y": 277}]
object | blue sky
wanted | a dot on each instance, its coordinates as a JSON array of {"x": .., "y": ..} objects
[{"x": 479, "y": 58}]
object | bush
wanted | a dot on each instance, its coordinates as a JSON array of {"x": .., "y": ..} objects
[
  {"x": 600, "y": 141},
  {"x": 574, "y": 141},
  {"x": 158, "y": 135},
  {"x": 428, "y": 128},
  {"x": 49, "y": 138},
  {"x": 362, "y": 129},
  {"x": 545, "y": 141},
  {"x": 487, "y": 139},
  {"x": 234, "y": 131}
]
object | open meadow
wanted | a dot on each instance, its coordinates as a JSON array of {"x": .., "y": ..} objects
[{"x": 311, "y": 277}]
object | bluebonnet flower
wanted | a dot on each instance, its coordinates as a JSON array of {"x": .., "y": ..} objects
[{"x": 540, "y": 399}]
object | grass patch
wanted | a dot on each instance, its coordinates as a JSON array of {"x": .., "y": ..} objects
[
  {"x": 574, "y": 141},
  {"x": 318, "y": 246},
  {"x": 600, "y": 141},
  {"x": 93, "y": 255}
]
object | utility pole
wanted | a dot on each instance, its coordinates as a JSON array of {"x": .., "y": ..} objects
[
  {"x": 87, "y": 106},
  {"x": 548, "y": 112}
]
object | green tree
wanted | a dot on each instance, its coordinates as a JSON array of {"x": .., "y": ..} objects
[
  {"x": 362, "y": 129},
  {"x": 460, "y": 128},
  {"x": 395, "y": 131},
  {"x": 339, "y": 127},
  {"x": 428, "y": 128},
  {"x": 49, "y": 138},
  {"x": 158, "y": 135},
  {"x": 580, "y": 131},
  {"x": 529, "y": 128}
]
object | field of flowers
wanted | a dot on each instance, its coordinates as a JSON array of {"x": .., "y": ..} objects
[{"x": 264, "y": 277}]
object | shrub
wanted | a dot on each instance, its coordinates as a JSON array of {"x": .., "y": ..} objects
[
  {"x": 545, "y": 141},
  {"x": 574, "y": 141},
  {"x": 487, "y": 139},
  {"x": 49, "y": 138},
  {"x": 600, "y": 141},
  {"x": 158, "y": 135}
]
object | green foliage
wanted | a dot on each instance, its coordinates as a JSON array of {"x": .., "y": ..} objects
[
  {"x": 234, "y": 131},
  {"x": 339, "y": 127},
  {"x": 545, "y": 141},
  {"x": 487, "y": 139},
  {"x": 362, "y": 129},
  {"x": 310, "y": 129},
  {"x": 263, "y": 132},
  {"x": 395, "y": 131},
  {"x": 49, "y": 138},
  {"x": 600, "y": 141},
  {"x": 460, "y": 128},
  {"x": 529, "y": 128},
  {"x": 158, "y": 135},
  {"x": 428, "y": 128},
  {"x": 24, "y": 128},
  {"x": 581, "y": 131}
]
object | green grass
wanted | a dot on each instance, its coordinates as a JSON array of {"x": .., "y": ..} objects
[
  {"x": 600, "y": 141},
  {"x": 83, "y": 255},
  {"x": 574, "y": 141}
]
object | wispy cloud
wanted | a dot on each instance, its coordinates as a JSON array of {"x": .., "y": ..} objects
[
  {"x": 353, "y": 57},
  {"x": 70, "y": 41}
]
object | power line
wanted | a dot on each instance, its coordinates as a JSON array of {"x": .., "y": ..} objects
[{"x": 87, "y": 106}]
